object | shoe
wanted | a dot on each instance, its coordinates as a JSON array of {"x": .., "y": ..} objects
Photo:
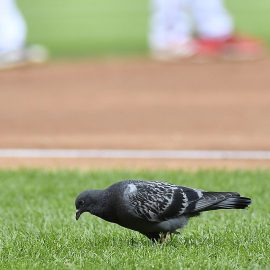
[
  {"x": 33, "y": 54},
  {"x": 200, "y": 50},
  {"x": 175, "y": 51},
  {"x": 233, "y": 48}
]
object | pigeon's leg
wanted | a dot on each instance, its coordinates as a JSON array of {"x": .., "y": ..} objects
[
  {"x": 168, "y": 236},
  {"x": 165, "y": 237},
  {"x": 159, "y": 237}
]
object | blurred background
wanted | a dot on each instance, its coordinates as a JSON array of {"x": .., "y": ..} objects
[
  {"x": 115, "y": 27},
  {"x": 101, "y": 89}
]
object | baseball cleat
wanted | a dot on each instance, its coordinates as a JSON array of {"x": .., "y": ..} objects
[
  {"x": 175, "y": 51},
  {"x": 200, "y": 50},
  {"x": 33, "y": 54},
  {"x": 233, "y": 48}
]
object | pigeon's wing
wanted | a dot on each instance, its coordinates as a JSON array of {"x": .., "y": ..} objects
[
  {"x": 210, "y": 201},
  {"x": 157, "y": 201}
]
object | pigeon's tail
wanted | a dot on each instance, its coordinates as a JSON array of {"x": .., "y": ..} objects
[{"x": 221, "y": 200}]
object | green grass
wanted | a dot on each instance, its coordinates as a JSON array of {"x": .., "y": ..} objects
[
  {"x": 38, "y": 229},
  {"x": 88, "y": 27},
  {"x": 113, "y": 27}
]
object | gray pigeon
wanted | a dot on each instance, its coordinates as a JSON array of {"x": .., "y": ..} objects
[{"x": 155, "y": 209}]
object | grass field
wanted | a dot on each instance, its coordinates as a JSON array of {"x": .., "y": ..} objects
[
  {"x": 99, "y": 27},
  {"x": 37, "y": 214},
  {"x": 38, "y": 229}
]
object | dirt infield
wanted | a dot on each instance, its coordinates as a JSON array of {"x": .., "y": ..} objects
[{"x": 136, "y": 104}]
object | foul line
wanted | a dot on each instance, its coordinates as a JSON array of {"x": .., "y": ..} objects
[{"x": 135, "y": 154}]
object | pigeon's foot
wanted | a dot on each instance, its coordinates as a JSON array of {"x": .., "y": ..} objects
[
  {"x": 159, "y": 238},
  {"x": 165, "y": 237}
]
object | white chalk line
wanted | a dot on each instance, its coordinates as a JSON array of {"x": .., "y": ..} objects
[{"x": 136, "y": 154}]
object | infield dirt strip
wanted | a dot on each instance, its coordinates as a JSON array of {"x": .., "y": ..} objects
[{"x": 136, "y": 104}]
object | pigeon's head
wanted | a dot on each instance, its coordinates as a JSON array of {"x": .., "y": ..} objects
[{"x": 86, "y": 202}]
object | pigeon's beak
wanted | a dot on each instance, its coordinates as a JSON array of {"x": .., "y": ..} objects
[{"x": 78, "y": 214}]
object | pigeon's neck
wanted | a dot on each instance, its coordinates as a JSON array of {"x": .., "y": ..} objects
[{"x": 103, "y": 207}]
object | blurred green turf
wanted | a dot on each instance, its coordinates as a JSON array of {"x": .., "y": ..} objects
[
  {"x": 38, "y": 228},
  {"x": 112, "y": 27}
]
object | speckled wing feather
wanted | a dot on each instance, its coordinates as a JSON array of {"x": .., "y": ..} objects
[
  {"x": 157, "y": 201},
  {"x": 209, "y": 200}
]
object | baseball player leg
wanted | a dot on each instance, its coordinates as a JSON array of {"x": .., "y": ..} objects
[
  {"x": 13, "y": 50},
  {"x": 216, "y": 37},
  {"x": 212, "y": 21},
  {"x": 170, "y": 26},
  {"x": 12, "y": 27}
]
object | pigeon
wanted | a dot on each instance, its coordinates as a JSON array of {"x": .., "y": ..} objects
[{"x": 155, "y": 209}]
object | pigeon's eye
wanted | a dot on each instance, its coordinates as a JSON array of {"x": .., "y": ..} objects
[{"x": 81, "y": 202}]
